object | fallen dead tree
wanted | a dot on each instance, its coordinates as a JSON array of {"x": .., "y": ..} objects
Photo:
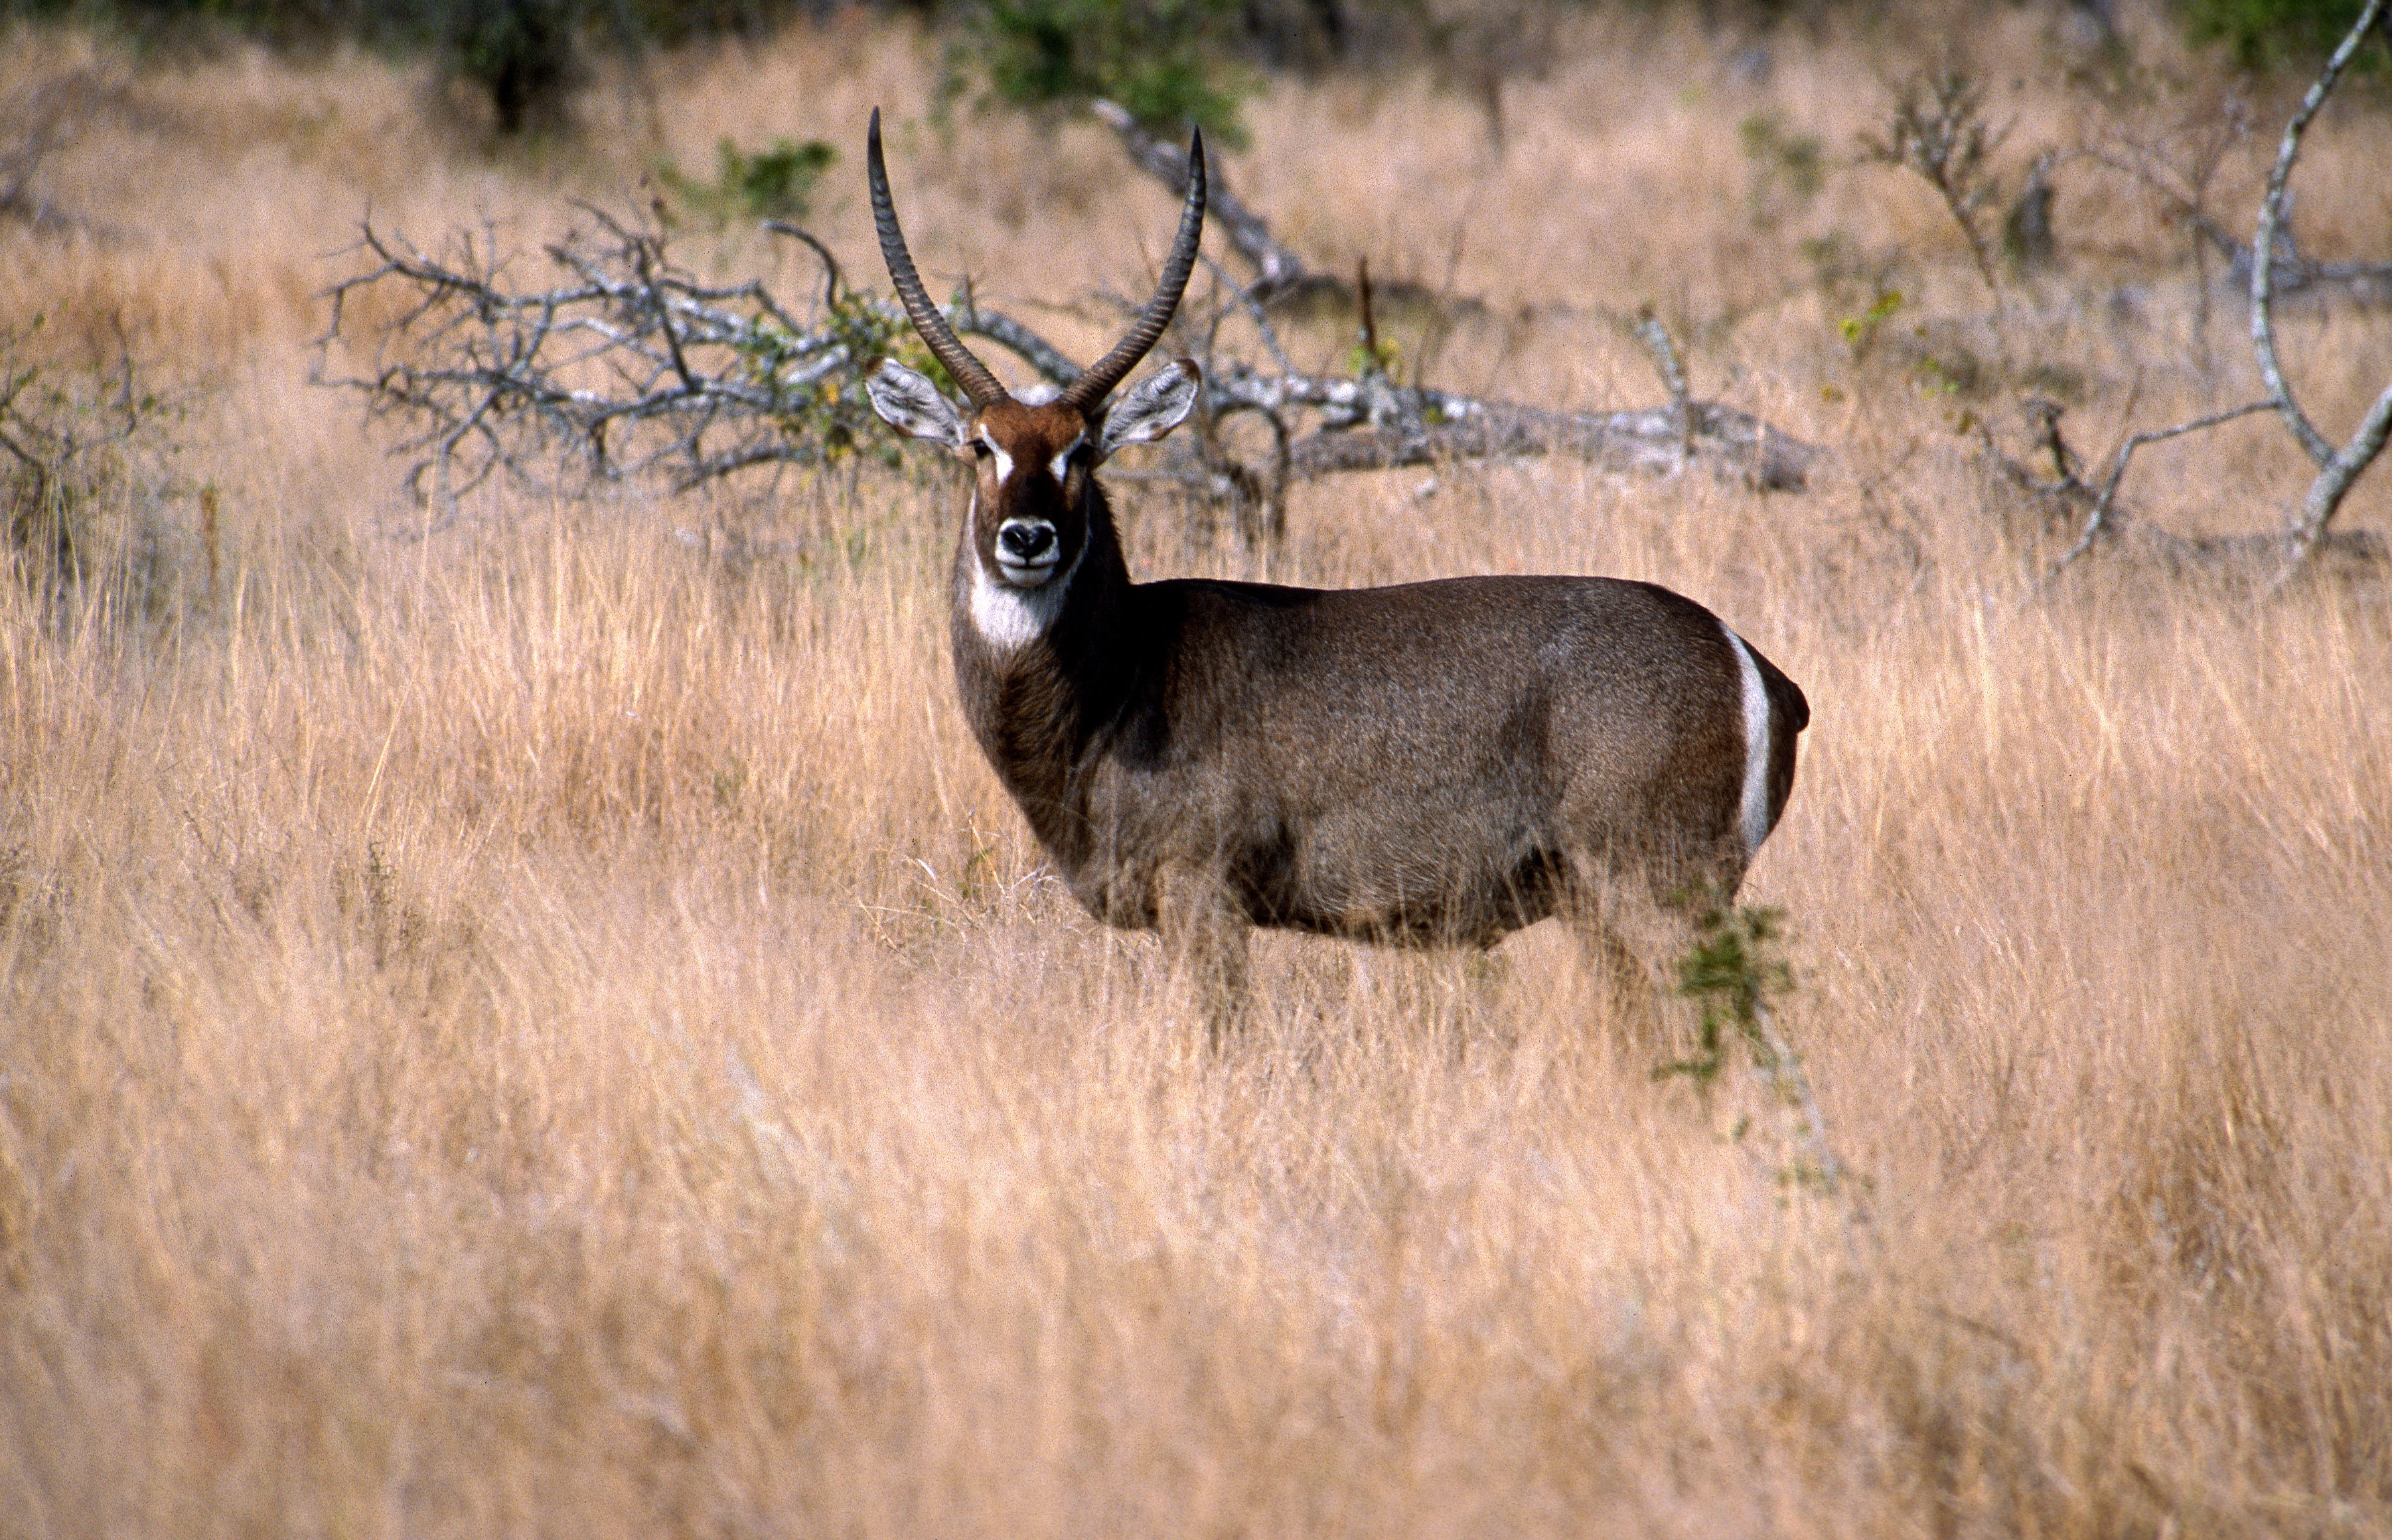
[{"x": 634, "y": 366}]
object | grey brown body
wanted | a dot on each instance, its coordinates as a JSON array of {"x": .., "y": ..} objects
[{"x": 1434, "y": 763}]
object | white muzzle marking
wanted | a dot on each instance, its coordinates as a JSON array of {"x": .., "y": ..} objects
[
  {"x": 1009, "y": 611},
  {"x": 1034, "y": 572}
]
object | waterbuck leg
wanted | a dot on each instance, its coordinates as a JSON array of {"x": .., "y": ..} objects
[
  {"x": 1204, "y": 938},
  {"x": 1633, "y": 942},
  {"x": 1631, "y": 998}
]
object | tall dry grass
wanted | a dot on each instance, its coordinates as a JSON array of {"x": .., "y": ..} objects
[{"x": 550, "y": 1027}]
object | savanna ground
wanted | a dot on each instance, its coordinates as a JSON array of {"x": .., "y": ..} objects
[{"x": 550, "y": 1026}]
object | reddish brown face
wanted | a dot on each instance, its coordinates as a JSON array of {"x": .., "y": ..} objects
[
  {"x": 1030, "y": 492},
  {"x": 1029, "y": 504}
]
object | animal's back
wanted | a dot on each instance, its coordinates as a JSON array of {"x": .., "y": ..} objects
[{"x": 1437, "y": 760}]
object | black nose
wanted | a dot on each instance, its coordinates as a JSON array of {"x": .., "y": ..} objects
[{"x": 1025, "y": 543}]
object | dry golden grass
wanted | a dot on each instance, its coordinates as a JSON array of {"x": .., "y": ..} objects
[{"x": 550, "y": 1029}]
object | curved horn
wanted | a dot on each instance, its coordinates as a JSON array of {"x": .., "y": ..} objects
[
  {"x": 968, "y": 371},
  {"x": 1092, "y": 387}
]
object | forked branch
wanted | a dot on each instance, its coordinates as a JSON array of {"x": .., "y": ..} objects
[
  {"x": 633, "y": 365},
  {"x": 2337, "y": 468},
  {"x": 2098, "y": 520}
]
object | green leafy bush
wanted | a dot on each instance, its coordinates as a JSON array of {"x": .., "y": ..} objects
[
  {"x": 2268, "y": 34},
  {"x": 524, "y": 53},
  {"x": 776, "y": 182},
  {"x": 1166, "y": 61}
]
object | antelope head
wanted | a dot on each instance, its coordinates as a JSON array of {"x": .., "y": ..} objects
[{"x": 1032, "y": 491}]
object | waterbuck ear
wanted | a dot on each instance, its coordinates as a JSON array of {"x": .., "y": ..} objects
[
  {"x": 1153, "y": 408},
  {"x": 909, "y": 403}
]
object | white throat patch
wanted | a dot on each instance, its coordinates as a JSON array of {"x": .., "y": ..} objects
[{"x": 1009, "y": 618}]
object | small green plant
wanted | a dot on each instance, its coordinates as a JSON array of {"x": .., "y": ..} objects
[
  {"x": 1859, "y": 330},
  {"x": 1372, "y": 356},
  {"x": 2264, "y": 35},
  {"x": 1735, "y": 969},
  {"x": 831, "y": 411},
  {"x": 776, "y": 182},
  {"x": 1385, "y": 359},
  {"x": 1167, "y": 62},
  {"x": 1960, "y": 372}
]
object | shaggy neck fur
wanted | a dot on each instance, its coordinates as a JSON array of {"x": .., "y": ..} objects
[{"x": 1042, "y": 671}]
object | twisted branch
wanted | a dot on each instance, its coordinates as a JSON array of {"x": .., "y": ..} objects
[{"x": 634, "y": 366}]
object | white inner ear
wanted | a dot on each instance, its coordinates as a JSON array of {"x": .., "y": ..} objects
[
  {"x": 909, "y": 403},
  {"x": 1156, "y": 405}
]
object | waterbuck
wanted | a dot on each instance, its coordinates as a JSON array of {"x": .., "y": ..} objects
[{"x": 1435, "y": 763}]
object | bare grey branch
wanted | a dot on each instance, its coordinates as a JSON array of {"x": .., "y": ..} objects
[
  {"x": 634, "y": 366},
  {"x": 2271, "y": 216},
  {"x": 2097, "y": 522},
  {"x": 1276, "y": 267}
]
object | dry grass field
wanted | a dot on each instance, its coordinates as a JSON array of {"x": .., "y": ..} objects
[{"x": 551, "y": 1028}]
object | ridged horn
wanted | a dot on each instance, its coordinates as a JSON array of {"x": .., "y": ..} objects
[
  {"x": 1091, "y": 388},
  {"x": 968, "y": 371}
]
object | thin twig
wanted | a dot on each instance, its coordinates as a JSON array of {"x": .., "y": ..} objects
[
  {"x": 1792, "y": 1087},
  {"x": 830, "y": 263},
  {"x": 1246, "y": 300},
  {"x": 2097, "y": 522}
]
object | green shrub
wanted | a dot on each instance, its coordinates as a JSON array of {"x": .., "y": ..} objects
[
  {"x": 2270, "y": 34},
  {"x": 522, "y": 53},
  {"x": 1166, "y": 61},
  {"x": 776, "y": 182}
]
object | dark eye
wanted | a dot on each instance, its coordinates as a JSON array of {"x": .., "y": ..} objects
[{"x": 980, "y": 448}]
